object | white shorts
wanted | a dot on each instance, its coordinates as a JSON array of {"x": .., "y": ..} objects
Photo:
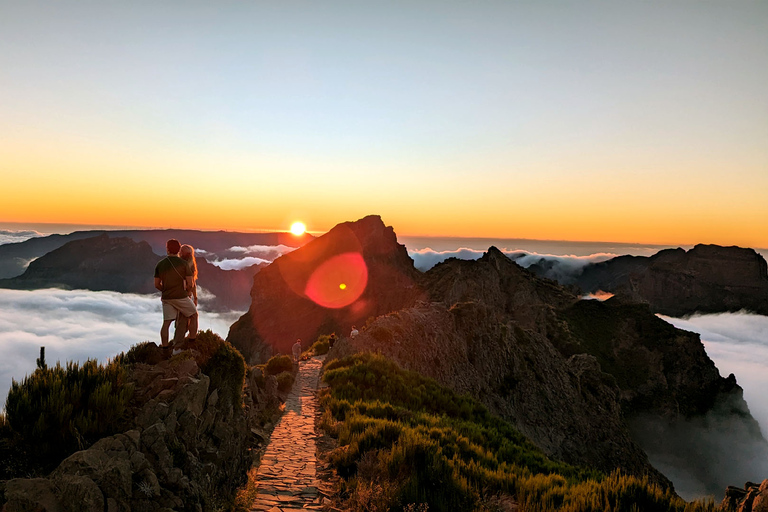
[{"x": 185, "y": 306}]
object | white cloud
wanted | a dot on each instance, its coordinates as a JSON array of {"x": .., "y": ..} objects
[
  {"x": 9, "y": 236},
  {"x": 738, "y": 344},
  {"x": 425, "y": 259},
  {"x": 564, "y": 268},
  {"x": 77, "y": 325},
  {"x": 267, "y": 252},
  {"x": 237, "y": 264},
  {"x": 238, "y": 257}
]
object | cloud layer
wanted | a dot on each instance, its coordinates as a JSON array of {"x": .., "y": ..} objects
[
  {"x": 738, "y": 344},
  {"x": 77, "y": 325},
  {"x": 565, "y": 268},
  {"x": 238, "y": 257},
  {"x": 8, "y": 236}
]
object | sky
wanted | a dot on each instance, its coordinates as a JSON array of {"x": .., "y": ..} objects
[{"x": 637, "y": 122}]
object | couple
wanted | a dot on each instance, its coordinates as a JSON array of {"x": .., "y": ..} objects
[{"x": 176, "y": 277}]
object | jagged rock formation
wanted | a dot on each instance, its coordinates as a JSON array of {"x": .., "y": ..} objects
[
  {"x": 15, "y": 257},
  {"x": 572, "y": 375},
  {"x": 752, "y": 498},
  {"x": 187, "y": 448},
  {"x": 120, "y": 264},
  {"x": 304, "y": 294},
  {"x": 706, "y": 279}
]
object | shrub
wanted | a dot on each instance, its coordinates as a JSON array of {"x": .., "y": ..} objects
[
  {"x": 61, "y": 410},
  {"x": 285, "y": 381},
  {"x": 278, "y": 364},
  {"x": 320, "y": 347},
  {"x": 403, "y": 433},
  {"x": 145, "y": 352},
  {"x": 224, "y": 365}
]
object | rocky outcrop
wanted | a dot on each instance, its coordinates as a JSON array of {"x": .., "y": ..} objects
[
  {"x": 355, "y": 271},
  {"x": 752, "y": 498},
  {"x": 577, "y": 377},
  {"x": 122, "y": 265},
  {"x": 187, "y": 448},
  {"x": 705, "y": 279}
]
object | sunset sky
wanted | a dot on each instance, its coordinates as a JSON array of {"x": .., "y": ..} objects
[{"x": 613, "y": 121}]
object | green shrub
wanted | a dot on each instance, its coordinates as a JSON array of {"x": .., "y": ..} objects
[
  {"x": 61, "y": 410},
  {"x": 145, "y": 352},
  {"x": 225, "y": 366},
  {"x": 285, "y": 381},
  {"x": 278, "y": 364},
  {"x": 321, "y": 346},
  {"x": 405, "y": 439}
]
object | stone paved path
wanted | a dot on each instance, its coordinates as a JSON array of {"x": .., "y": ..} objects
[{"x": 287, "y": 476}]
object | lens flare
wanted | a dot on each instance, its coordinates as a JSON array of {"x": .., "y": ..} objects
[
  {"x": 339, "y": 281},
  {"x": 298, "y": 228}
]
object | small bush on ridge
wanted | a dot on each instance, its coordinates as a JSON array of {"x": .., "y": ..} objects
[
  {"x": 225, "y": 366},
  {"x": 278, "y": 364},
  {"x": 285, "y": 381}
]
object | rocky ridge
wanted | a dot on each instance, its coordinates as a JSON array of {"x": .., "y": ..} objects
[
  {"x": 584, "y": 380},
  {"x": 580, "y": 378},
  {"x": 675, "y": 282},
  {"x": 187, "y": 448}
]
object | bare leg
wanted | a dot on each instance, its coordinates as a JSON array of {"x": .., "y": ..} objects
[
  {"x": 164, "y": 332},
  {"x": 181, "y": 329},
  {"x": 193, "y": 326}
]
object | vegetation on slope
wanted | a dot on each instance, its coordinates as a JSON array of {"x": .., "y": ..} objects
[
  {"x": 56, "y": 411},
  {"x": 405, "y": 442}
]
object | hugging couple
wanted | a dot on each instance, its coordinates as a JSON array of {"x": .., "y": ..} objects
[{"x": 176, "y": 278}]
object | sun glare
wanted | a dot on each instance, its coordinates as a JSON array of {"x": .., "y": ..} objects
[{"x": 298, "y": 228}]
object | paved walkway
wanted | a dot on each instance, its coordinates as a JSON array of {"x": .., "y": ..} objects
[{"x": 287, "y": 476}]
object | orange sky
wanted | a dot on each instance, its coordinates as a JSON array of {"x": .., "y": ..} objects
[{"x": 635, "y": 123}]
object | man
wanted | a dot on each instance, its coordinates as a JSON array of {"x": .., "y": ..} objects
[
  {"x": 173, "y": 277},
  {"x": 296, "y": 349}
]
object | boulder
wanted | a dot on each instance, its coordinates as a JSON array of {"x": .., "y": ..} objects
[
  {"x": 31, "y": 495},
  {"x": 79, "y": 494}
]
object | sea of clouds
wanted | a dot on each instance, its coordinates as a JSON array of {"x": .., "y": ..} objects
[
  {"x": 79, "y": 325},
  {"x": 238, "y": 257},
  {"x": 738, "y": 344},
  {"x": 563, "y": 268},
  {"x": 725, "y": 450},
  {"x": 9, "y": 236}
]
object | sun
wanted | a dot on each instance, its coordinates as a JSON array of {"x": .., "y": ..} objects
[{"x": 298, "y": 228}]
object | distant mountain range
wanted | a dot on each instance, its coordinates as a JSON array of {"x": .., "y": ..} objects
[
  {"x": 124, "y": 261},
  {"x": 15, "y": 257}
]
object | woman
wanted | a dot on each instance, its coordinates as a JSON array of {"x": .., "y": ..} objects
[{"x": 187, "y": 253}]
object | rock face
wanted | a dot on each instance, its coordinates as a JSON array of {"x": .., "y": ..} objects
[
  {"x": 706, "y": 279},
  {"x": 574, "y": 376},
  {"x": 122, "y": 265},
  {"x": 354, "y": 272},
  {"x": 187, "y": 450},
  {"x": 752, "y": 498}
]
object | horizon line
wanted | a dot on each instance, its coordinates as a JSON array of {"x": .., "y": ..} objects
[{"x": 315, "y": 233}]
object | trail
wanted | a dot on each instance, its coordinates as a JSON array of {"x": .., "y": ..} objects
[{"x": 287, "y": 477}]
